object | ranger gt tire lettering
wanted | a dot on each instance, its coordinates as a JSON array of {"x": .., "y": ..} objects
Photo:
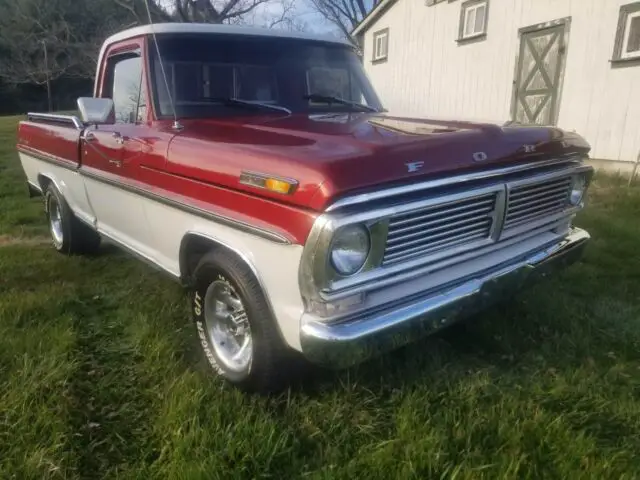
[{"x": 220, "y": 275}]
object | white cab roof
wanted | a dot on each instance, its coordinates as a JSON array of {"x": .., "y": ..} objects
[
  {"x": 215, "y": 28},
  {"x": 205, "y": 28}
]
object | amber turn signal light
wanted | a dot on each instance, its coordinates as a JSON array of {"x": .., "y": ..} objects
[{"x": 286, "y": 186}]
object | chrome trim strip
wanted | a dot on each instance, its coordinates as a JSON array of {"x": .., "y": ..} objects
[
  {"x": 499, "y": 215},
  {"x": 47, "y": 157},
  {"x": 237, "y": 224},
  {"x": 347, "y": 343},
  {"x": 543, "y": 177},
  {"x": 52, "y": 117},
  {"x": 457, "y": 180}
]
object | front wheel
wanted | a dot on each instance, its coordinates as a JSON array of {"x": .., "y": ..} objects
[{"x": 235, "y": 328}]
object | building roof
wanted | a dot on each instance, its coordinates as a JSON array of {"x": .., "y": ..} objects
[{"x": 372, "y": 16}]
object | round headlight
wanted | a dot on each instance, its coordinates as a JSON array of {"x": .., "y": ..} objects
[
  {"x": 350, "y": 249},
  {"x": 578, "y": 187}
]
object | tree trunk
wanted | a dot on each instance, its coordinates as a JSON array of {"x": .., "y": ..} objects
[{"x": 46, "y": 72}]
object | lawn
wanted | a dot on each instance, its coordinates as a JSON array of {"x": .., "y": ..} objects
[{"x": 99, "y": 375}]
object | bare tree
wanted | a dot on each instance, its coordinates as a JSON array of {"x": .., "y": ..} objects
[
  {"x": 200, "y": 11},
  {"x": 34, "y": 41},
  {"x": 344, "y": 14},
  {"x": 43, "y": 40},
  {"x": 277, "y": 14}
]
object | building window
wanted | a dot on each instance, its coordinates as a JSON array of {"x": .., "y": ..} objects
[
  {"x": 627, "y": 46},
  {"x": 380, "y": 45},
  {"x": 473, "y": 19}
]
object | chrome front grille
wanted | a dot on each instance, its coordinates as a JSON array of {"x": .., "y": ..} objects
[
  {"x": 454, "y": 226},
  {"x": 424, "y": 228},
  {"x": 535, "y": 201},
  {"x": 439, "y": 227}
]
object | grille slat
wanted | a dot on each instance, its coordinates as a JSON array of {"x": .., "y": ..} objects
[
  {"x": 439, "y": 210},
  {"x": 531, "y": 203},
  {"x": 459, "y": 218},
  {"x": 439, "y": 227},
  {"x": 403, "y": 242},
  {"x": 544, "y": 194},
  {"x": 422, "y": 250},
  {"x": 449, "y": 227},
  {"x": 530, "y": 189},
  {"x": 518, "y": 209},
  {"x": 531, "y": 217}
]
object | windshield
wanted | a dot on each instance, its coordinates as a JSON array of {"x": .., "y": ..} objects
[{"x": 202, "y": 70}]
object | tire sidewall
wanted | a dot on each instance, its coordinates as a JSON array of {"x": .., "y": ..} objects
[{"x": 205, "y": 276}]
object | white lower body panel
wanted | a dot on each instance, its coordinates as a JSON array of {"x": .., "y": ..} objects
[
  {"x": 69, "y": 182},
  {"x": 155, "y": 230}
]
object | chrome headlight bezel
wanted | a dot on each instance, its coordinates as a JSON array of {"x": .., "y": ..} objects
[
  {"x": 349, "y": 249},
  {"x": 579, "y": 186}
]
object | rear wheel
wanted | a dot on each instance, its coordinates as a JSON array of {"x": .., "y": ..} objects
[
  {"x": 236, "y": 331},
  {"x": 68, "y": 234}
]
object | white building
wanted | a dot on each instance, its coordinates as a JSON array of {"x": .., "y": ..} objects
[{"x": 571, "y": 63}]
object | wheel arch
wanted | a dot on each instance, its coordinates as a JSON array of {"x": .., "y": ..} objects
[
  {"x": 195, "y": 245},
  {"x": 45, "y": 179}
]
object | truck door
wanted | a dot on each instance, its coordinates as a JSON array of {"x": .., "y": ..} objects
[{"x": 110, "y": 176}]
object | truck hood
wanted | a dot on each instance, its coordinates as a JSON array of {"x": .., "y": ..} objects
[{"x": 332, "y": 155}]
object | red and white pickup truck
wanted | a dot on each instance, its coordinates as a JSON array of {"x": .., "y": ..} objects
[{"x": 260, "y": 169}]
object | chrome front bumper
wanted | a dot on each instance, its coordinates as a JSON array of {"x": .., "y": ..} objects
[{"x": 353, "y": 341}]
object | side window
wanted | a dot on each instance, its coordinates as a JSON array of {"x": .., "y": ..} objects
[{"x": 127, "y": 89}]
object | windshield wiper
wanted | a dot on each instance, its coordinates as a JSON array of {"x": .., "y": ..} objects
[
  {"x": 231, "y": 101},
  {"x": 315, "y": 97}
]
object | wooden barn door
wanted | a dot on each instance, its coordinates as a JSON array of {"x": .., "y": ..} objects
[{"x": 539, "y": 73}]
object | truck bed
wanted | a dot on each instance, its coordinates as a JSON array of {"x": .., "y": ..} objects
[
  {"x": 56, "y": 137},
  {"x": 49, "y": 149}
]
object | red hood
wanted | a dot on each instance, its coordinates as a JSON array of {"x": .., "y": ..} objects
[{"x": 334, "y": 154}]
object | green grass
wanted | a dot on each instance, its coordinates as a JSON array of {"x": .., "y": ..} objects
[{"x": 98, "y": 377}]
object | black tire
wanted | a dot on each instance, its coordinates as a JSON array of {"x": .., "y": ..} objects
[
  {"x": 269, "y": 352},
  {"x": 68, "y": 234}
]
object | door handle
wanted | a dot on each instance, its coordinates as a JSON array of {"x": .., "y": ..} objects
[
  {"x": 116, "y": 163},
  {"x": 118, "y": 138}
]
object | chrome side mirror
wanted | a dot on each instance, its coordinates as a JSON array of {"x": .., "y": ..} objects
[{"x": 96, "y": 110}]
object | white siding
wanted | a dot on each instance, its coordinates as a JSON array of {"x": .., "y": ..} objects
[{"x": 428, "y": 73}]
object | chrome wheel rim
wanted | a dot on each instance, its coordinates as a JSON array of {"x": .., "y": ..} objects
[
  {"x": 55, "y": 221},
  {"x": 227, "y": 326}
]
